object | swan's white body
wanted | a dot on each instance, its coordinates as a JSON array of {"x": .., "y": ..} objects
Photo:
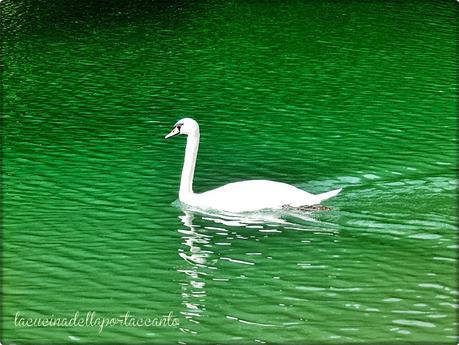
[{"x": 251, "y": 195}]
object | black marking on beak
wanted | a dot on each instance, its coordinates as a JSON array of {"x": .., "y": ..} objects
[{"x": 175, "y": 131}]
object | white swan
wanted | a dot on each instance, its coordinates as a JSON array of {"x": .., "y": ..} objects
[{"x": 241, "y": 196}]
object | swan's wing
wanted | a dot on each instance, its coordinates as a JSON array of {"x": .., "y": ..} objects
[{"x": 254, "y": 195}]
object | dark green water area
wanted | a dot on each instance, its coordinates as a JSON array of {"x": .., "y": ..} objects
[{"x": 318, "y": 94}]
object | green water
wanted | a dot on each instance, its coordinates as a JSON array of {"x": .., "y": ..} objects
[{"x": 320, "y": 95}]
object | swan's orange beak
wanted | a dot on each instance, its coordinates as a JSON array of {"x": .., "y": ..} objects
[{"x": 175, "y": 131}]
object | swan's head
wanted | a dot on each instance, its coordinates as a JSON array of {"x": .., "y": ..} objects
[{"x": 185, "y": 126}]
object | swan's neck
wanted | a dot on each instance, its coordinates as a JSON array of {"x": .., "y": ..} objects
[{"x": 191, "y": 151}]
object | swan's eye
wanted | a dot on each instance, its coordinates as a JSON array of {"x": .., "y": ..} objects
[{"x": 179, "y": 126}]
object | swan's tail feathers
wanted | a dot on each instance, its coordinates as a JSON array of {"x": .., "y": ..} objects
[{"x": 327, "y": 195}]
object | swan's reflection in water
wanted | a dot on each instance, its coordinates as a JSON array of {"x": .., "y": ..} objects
[
  {"x": 193, "y": 289},
  {"x": 248, "y": 219},
  {"x": 203, "y": 236}
]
